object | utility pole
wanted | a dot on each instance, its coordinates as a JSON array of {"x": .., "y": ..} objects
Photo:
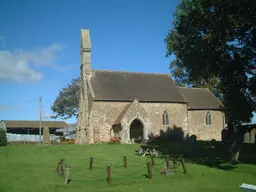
[{"x": 40, "y": 121}]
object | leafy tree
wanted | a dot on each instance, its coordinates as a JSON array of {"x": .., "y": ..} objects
[
  {"x": 66, "y": 103},
  {"x": 181, "y": 77},
  {"x": 214, "y": 42},
  {"x": 3, "y": 138}
]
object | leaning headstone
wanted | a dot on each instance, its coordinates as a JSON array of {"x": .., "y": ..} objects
[
  {"x": 46, "y": 136},
  {"x": 192, "y": 143}
]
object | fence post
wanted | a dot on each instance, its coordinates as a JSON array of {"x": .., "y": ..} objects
[
  {"x": 91, "y": 162},
  {"x": 125, "y": 162},
  {"x": 152, "y": 161},
  {"x": 184, "y": 166},
  {"x": 67, "y": 175},
  {"x": 167, "y": 160},
  {"x": 149, "y": 166},
  {"x": 108, "y": 174},
  {"x": 59, "y": 168}
]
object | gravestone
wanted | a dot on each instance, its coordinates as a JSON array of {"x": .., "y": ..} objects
[
  {"x": 224, "y": 139},
  {"x": 247, "y": 137},
  {"x": 46, "y": 136},
  {"x": 192, "y": 143},
  {"x": 224, "y": 135}
]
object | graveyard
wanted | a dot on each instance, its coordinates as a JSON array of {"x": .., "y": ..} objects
[{"x": 33, "y": 167}]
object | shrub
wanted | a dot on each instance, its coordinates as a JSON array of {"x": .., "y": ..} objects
[
  {"x": 3, "y": 138},
  {"x": 114, "y": 140},
  {"x": 64, "y": 140}
]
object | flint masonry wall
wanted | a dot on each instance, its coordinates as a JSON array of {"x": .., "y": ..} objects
[
  {"x": 104, "y": 114},
  {"x": 177, "y": 114},
  {"x": 197, "y": 124}
]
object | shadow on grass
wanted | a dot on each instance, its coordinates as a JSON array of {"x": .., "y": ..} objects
[
  {"x": 145, "y": 175},
  {"x": 210, "y": 153}
]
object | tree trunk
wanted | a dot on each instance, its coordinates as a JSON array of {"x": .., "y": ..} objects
[
  {"x": 234, "y": 149},
  {"x": 234, "y": 158},
  {"x": 230, "y": 130}
]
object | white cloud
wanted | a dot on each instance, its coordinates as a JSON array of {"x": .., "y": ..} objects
[{"x": 18, "y": 65}]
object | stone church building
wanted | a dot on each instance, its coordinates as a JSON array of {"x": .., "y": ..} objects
[{"x": 133, "y": 105}]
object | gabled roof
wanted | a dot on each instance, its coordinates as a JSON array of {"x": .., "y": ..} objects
[
  {"x": 201, "y": 98},
  {"x": 34, "y": 124},
  {"x": 127, "y": 86},
  {"x": 120, "y": 116}
]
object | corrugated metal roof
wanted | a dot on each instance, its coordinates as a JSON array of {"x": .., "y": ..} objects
[{"x": 34, "y": 124}]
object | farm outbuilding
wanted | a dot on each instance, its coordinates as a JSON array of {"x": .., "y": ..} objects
[{"x": 18, "y": 130}]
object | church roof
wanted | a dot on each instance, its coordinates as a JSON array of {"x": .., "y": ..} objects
[
  {"x": 127, "y": 86},
  {"x": 200, "y": 98}
]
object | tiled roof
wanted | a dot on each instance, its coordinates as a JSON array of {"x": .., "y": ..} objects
[{"x": 127, "y": 86}]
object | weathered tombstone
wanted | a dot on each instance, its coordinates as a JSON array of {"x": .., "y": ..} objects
[
  {"x": 247, "y": 137},
  {"x": 192, "y": 143},
  {"x": 253, "y": 136},
  {"x": 46, "y": 136},
  {"x": 224, "y": 136}
]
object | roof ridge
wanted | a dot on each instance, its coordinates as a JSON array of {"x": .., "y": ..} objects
[
  {"x": 134, "y": 72},
  {"x": 194, "y": 88}
]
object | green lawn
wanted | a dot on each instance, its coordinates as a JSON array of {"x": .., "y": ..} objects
[{"x": 32, "y": 168}]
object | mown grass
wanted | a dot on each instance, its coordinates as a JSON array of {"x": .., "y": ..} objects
[{"x": 32, "y": 168}]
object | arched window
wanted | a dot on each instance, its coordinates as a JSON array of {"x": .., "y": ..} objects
[
  {"x": 208, "y": 120},
  {"x": 165, "y": 118}
]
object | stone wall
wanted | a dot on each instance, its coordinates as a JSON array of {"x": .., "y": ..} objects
[
  {"x": 104, "y": 114},
  {"x": 197, "y": 124},
  {"x": 177, "y": 114}
]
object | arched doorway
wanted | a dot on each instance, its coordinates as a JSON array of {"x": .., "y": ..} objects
[{"x": 136, "y": 131}]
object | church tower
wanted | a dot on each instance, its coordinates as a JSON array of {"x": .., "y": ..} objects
[
  {"x": 83, "y": 134},
  {"x": 85, "y": 52}
]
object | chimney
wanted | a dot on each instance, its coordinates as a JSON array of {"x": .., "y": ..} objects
[{"x": 85, "y": 52}]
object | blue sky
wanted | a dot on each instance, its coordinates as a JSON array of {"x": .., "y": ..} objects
[{"x": 39, "y": 46}]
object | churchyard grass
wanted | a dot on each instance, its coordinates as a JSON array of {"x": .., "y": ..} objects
[{"x": 25, "y": 168}]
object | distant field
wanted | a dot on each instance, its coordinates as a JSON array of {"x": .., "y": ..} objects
[{"x": 32, "y": 168}]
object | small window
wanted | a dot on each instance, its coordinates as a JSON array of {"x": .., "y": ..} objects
[
  {"x": 208, "y": 120},
  {"x": 165, "y": 118}
]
